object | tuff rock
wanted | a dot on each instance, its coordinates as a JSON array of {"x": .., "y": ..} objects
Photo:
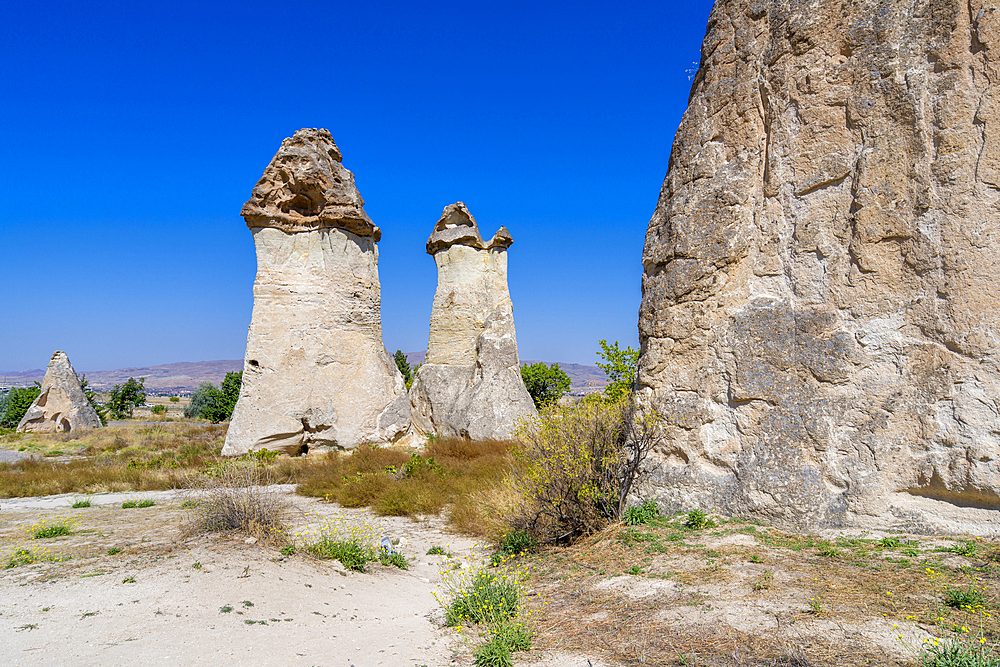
[
  {"x": 470, "y": 382},
  {"x": 62, "y": 406},
  {"x": 820, "y": 320},
  {"x": 316, "y": 372}
]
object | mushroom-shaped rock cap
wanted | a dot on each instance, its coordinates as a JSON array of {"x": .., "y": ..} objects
[
  {"x": 458, "y": 227},
  {"x": 305, "y": 187}
]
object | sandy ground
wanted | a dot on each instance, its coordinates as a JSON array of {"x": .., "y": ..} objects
[{"x": 171, "y": 599}]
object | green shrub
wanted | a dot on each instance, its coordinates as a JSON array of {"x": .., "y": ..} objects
[
  {"x": 436, "y": 551},
  {"x": 175, "y": 399},
  {"x": 638, "y": 515},
  {"x": 129, "y": 504},
  {"x": 158, "y": 409},
  {"x": 576, "y": 466},
  {"x": 78, "y": 504},
  {"x": 352, "y": 554},
  {"x": 493, "y": 654}
]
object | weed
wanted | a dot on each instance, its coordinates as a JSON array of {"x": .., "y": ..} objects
[
  {"x": 697, "y": 520},
  {"x": 225, "y": 610},
  {"x": 764, "y": 582},
  {"x": 638, "y": 515},
  {"x": 128, "y": 580},
  {"x": 288, "y": 550},
  {"x": 512, "y": 544},
  {"x": 829, "y": 551},
  {"x": 436, "y": 551},
  {"x": 969, "y": 598},
  {"x": 78, "y": 504},
  {"x": 188, "y": 504},
  {"x": 197, "y": 565},
  {"x": 27, "y": 626},
  {"x": 46, "y": 532},
  {"x": 966, "y": 548},
  {"x": 148, "y": 502},
  {"x": 755, "y": 558},
  {"x": 247, "y": 603},
  {"x": 635, "y": 569},
  {"x": 114, "y": 550},
  {"x": 816, "y": 606},
  {"x": 493, "y": 654},
  {"x": 352, "y": 554},
  {"x": 129, "y": 504},
  {"x": 958, "y": 653},
  {"x": 393, "y": 558},
  {"x": 88, "y": 614},
  {"x": 482, "y": 597},
  {"x": 889, "y": 543}
]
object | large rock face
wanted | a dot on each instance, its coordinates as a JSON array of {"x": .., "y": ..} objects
[
  {"x": 470, "y": 383},
  {"x": 820, "y": 321},
  {"x": 62, "y": 406},
  {"x": 316, "y": 371}
]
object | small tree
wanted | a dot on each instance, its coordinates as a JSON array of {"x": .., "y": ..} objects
[
  {"x": 214, "y": 404},
  {"x": 203, "y": 399},
  {"x": 102, "y": 411},
  {"x": 124, "y": 398},
  {"x": 620, "y": 368},
  {"x": 404, "y": 367},
  {"x": 545, "y": 384},
  {"x": 15, "y": 403}
]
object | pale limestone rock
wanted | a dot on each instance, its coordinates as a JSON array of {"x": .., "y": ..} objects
[
  {"x": 470, "y": 383},
  {"x": 820, "y": 320},
  {"x": 316, "y": 372},
  {"x": 62, "y": 406}
]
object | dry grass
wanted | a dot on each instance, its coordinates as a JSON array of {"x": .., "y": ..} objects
[
  {"x": 397, "y": 482},
  {"x": 128, "y": 458},
  {"x": 705, "y": 597}
]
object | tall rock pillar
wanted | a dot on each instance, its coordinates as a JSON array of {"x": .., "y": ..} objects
[
  {"x": 470, "y": 382},
  {"x": 316, "y": 371},
  {"x": 820, "y": 321}
]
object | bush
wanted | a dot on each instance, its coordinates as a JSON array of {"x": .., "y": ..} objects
[
  {"x": 175, "y": 399},
  {"x": 125, "y": 397},
  {"x": 514, "y": 544},
  {"x": 15, "y": 403},
  {"x": 159, "y": 409},
  {"x": 545, "y": 384},
  {"x": 236, "y": 498},
  {"x": 955, "y": 653},
  {"x": 577, "y": 466}
]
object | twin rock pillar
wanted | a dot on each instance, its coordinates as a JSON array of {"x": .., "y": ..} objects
[{"x": 316, "y": 372}]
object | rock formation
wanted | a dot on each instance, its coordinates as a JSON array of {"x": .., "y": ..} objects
[
  {"x": 62, "y": 406},
  {"x": 316, "y": 371},
  {"x": 470, "y": 383},
  {"x": 820, "y": 322}
]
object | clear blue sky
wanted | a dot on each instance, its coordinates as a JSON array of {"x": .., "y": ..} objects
[{"x": 132, "y": 133}]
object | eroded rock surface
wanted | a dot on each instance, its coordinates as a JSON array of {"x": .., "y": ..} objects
[
  {"x": 316, "y": 372},
  {"x": 821, "y": 306},
  {"x": 62, "y": 406},
  {"x": 470, "y": 383}
]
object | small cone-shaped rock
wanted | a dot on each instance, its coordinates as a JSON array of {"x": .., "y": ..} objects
[
  {"x": 316, "y": 371},
  {"x": 62, "y": 406},
  {"x": 470, "y": 383}
]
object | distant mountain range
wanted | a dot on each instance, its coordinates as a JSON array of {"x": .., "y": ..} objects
[{"x": 185, "y": 376}]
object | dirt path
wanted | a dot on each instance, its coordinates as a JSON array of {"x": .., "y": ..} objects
[{"x": 169, "y": 599}]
